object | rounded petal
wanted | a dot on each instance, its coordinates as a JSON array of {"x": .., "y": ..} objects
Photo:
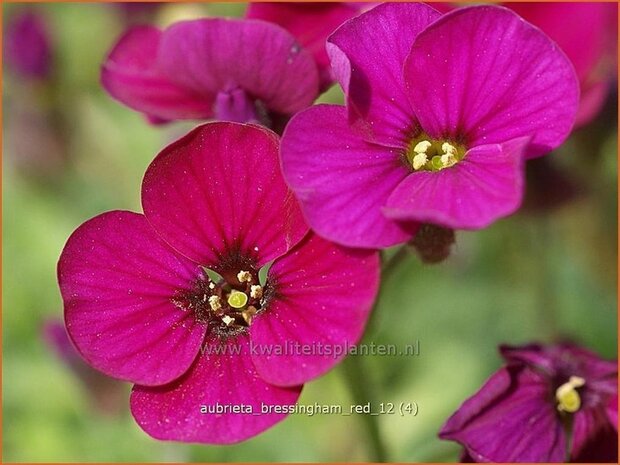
[
  {"x": 368, "y": 53},
  {"x": 217, "y": 195},
  {"x": 222, "y": 377},
  {"x": 132, "y": 76},
  {"x": 341, "y": 181},
  {"x": 484, "y": 75},
  {"x": 483, "y": 187},
  {"x": 117, "y": 279},
  {"x": 509, "y": 420},
  {"x": 212, "y": 55},
  {"x": 310, "y": 23},
  {"x": 324, "y": 294}
]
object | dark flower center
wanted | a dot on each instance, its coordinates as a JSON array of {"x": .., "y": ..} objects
[
  {"x": 427, "y": 154},
  {"x": 227, "y": 306}
]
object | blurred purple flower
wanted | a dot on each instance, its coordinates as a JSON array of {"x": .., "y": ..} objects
[
  {"x": 136, "y": 12},
  {"x": 139, "y": 305},
  {"x": 107, "y": 394},
  {"x": 310, "y": 23},
  {"x": 232, "y": 70},
  {"x": 27, "y": 45},
  {"x": 440, "y": 114},
  {"x": 548, "y": 404},
  {"x": 593, "y": 53}
]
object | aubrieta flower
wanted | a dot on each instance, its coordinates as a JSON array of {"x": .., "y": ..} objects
[
  {"x": 593, "y": 54},
  {"x": 28, "y": 46},
  {"x": 172, "y": 300},
  {"x": 227, "y": 69},
  {"x": 441, "y": 112},
  {"x": 310, "y": 23},
  {"x": 548, "y": 404}
]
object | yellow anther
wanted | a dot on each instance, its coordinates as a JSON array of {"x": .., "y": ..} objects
[
  {"x": 237, "y": 299},
  {"x": 244, "y": 277},
  {"x": 256, "y": 292},
  {"x": 228, "y": 320},
  {"x": 422, "y": 146},
  {"x": 215, "y": 302},
  {"x": 248, "y": 314},
  {"x": 448, "y": 148},
  {"x": 419, "y": 161},
  {"x": 448, "y": 159},
  {"x": 567, "y": 396}
]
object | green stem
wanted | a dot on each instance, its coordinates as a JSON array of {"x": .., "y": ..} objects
[
  {"x": 358, "y": 376},
  {"x": 362, "y": 392}
]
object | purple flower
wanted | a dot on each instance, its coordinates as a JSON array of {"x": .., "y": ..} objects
[
  {"x": 310, "y": 23},
  {"x": 548, "y": 404},
  {"x": 440, "y": 114},
  {"x": 232, "y": 70},
  {"x": 140, "y": 306},
  {"x": 27, "y": 45}
]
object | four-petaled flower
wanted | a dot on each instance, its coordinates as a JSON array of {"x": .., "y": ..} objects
[
  {"x": 141, "y": 306},
  {"x": 548, "y": 404},
  {"x": 441, "y": 112},
  {"x": 229, "y": 69}
]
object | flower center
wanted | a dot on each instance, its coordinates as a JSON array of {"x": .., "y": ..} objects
[
  {"x": 567, "y": 396},
  {"x": 226, "y": 308},
  {"x": 427, "y": 154}
]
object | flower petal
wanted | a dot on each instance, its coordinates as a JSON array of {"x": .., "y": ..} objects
[
  {"x": 595, "y": 440},
  {"x": 483, "y": 74},
  {"x": 132, "y": 76},
  {"x": 483, "y": 187},
  {"x": 593, "y": 54},
  {"x": 368, "y": 53},
  {"x": 117, "y": 279},
  {"x": 310, "y": 23},
  {"x": 217, "y": 194},
  {"x": 324, "y": 294},
  {"x": 212, "y": 55},
  {"x": 223, "y": 375},
  {"x": 341, "y": 181},
  {"x": 509, "y": 420}
]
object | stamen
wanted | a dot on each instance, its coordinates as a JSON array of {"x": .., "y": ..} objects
[
  {"x": 419, "y": 161},
  {"x": 237, "y": 299},
  {"x": 215, "y": 303},
  {"x": 567, "y": 396},
  {"x": 422, "y": 146},
  {"x": 228, "y": 320},
  {"x": 248, "y": 314},
  {"x": 256, "y": 292},
  {"x": 244, "y": 277}
]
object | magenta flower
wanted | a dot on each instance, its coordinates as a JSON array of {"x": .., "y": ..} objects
[
  {"x": 27, "y": 45},
  {"x": 440, "y": 114},
  {"x": 139, "y": 305},
  {"x": 593, "y": 54},
  {"x": 544, "y": 402},
  {"x": 232, "y": 70},
  {"x": 310, "y": 23}
]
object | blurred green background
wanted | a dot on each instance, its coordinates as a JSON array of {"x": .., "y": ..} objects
[{"x": 71, "y": 152}]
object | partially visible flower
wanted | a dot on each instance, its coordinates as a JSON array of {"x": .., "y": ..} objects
[
  {"x": 441, "y": 112},
  {"x": 548, "y": 404},
  {"x": 107, "y": 394},
  {"x": 136, "y": 12},
  {"x": 27, "y": 45},
  {"x": 310, "y": 23},
  {"x": 232, "y": 70},
  {"x": 593, "y": 53},
  {"x": 140, "y": 305}
]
